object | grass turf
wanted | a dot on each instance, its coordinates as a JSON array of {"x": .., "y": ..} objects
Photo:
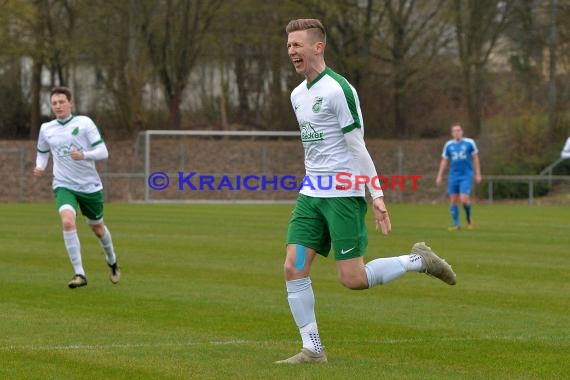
[{"x": 202, "y": 296}]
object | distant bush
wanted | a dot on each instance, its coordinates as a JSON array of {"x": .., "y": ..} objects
[
  {"x": 512, "y": 190},
  {"x": 518, "y": 146}
]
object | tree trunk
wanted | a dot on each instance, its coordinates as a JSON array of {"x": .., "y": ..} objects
[
  {"x": 552, "y": 101},
  {"x": 174, "y": 112},
  {"x": 36, "y": 87},
  {"x": 241, "y": 85},
  {"x": 400, "y": 126},
  {"x": 472, "y": 88}
]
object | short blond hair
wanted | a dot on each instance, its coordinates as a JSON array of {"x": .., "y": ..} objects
[{"x": 312, "y": 25}]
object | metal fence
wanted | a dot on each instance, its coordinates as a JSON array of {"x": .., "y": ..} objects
[{"x": 131, "y": 185}]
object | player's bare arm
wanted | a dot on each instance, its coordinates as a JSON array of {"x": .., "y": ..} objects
[
  {"x": 477, "y": 168},
  {"x": 442, "y": 167}
]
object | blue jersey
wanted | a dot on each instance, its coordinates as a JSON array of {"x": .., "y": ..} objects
[{"x": 460, "y": 156}]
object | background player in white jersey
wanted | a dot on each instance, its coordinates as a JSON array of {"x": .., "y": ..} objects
[
  {"x": 463, "y": 156},
  {"x": 75, "y": 143},
  {"x": 329, "y": 116}
]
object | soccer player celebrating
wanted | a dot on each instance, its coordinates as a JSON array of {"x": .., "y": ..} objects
[
  {"x": 329, "y": 116},
  {"x": 75, "y": 144},
  {"x": 463, "y": 155}
]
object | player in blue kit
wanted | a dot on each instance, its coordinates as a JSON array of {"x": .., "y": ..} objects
[{"x": 463, "y": 156}]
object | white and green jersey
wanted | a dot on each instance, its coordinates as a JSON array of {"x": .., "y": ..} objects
[
  {"x": 59, "y": 137},
  {"x": 326, "y": 109}
]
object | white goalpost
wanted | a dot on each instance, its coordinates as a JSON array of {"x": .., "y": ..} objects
[{"x": 216, "y": 166}]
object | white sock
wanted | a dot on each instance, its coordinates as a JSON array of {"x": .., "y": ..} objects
[
  {"x": 302, "y": 303},
  {"x": 382, "y": 271},
  {"x": 73, "y": 250},
  {"x": 311, "y": 338},
  {"x": 107, "y": 244}
]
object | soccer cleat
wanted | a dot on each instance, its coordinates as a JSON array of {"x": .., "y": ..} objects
[
  {"x": 470, "y": 226},
  {"x": 454, "y": 228},
  {"x": 77, "y": 281},
  {"x": 114, "y": 273},
  {"x": 435, "y": 266},
  {"x": 305, "y": 357}
]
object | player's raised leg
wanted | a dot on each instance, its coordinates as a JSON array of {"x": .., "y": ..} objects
[
  {"x": 302, "y": 303},
  {"x": 104, "y": 235},
  {"x": 72, "y": 245},
  {"x": 353, "y": 274},
  {"x": 92, "y": 208}
]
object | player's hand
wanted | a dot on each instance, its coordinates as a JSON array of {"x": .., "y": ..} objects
[
  {"x": 438, "y": 181},
  {"x": 38, "y": 172},
  {"x": 76, "y": 155},
  {"x": 478, "y": 178},
  {"x": 381, "y": 216}
]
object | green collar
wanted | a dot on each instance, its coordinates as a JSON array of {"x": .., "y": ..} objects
[
  {"x": 322, "y": 74},
  {"x": 63, "y": 122}
]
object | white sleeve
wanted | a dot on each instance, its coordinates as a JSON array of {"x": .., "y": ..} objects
[
  {"x": 93, "y": 134},
  {"x": 43, "y": 149},
  {"x": 100, "y": 152},
  {"x": 355, "y": 141},
  {"x": 42, "y": 159}
]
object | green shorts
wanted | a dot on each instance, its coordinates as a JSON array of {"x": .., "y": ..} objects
[
  {"x": 91, "y": 204},
  {"x": 318, "y": 222}
]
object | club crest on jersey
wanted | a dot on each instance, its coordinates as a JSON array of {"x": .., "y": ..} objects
[
  {"x": 317, "y": 103},
  {"x": 75, "y": 131},
  {"x": 64, "y": 151},
  {"x": 309, "y": 134}
]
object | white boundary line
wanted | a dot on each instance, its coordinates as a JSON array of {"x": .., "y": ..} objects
[{"x": 72, "y": 347}]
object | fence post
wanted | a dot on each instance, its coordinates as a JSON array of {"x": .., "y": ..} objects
[
  {"x": 490, "y": 191},
  {"x": 530, "y": 191}
]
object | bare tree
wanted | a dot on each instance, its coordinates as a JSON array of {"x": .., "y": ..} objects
[
  {"x": 478, "y": 26},
  {"x": 174, "y": 31},
  {"x": 552, "y": 88},
  {"x": 414, "y": 36},
  {"x": 118, "y": 53}
]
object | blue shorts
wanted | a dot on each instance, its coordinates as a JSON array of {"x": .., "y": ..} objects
[{"x": 459, "y": 185}]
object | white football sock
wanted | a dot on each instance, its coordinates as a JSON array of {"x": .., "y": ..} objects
[
  {"x": 302, "y": 303},
  {"x": 107, "y": 245},
  {"x": 73, "y": 250},
  {"x": 311, "y": 338},
  {"x": 381, "y": 271}
]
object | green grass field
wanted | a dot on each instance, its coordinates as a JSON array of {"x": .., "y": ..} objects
[{"x": 203, "y": 297}]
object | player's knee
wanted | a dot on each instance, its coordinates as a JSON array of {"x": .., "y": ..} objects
[
  {"x": 68, "y": 221},
  {"x": 68, "y": 224},
  {"x": 291, "y": 271},
  {"x": 98, "y": 230},
  {"x": 67, "y": 214},
  {"x": 354, "y": 282},
  {"x": 288, "y": 268}
]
